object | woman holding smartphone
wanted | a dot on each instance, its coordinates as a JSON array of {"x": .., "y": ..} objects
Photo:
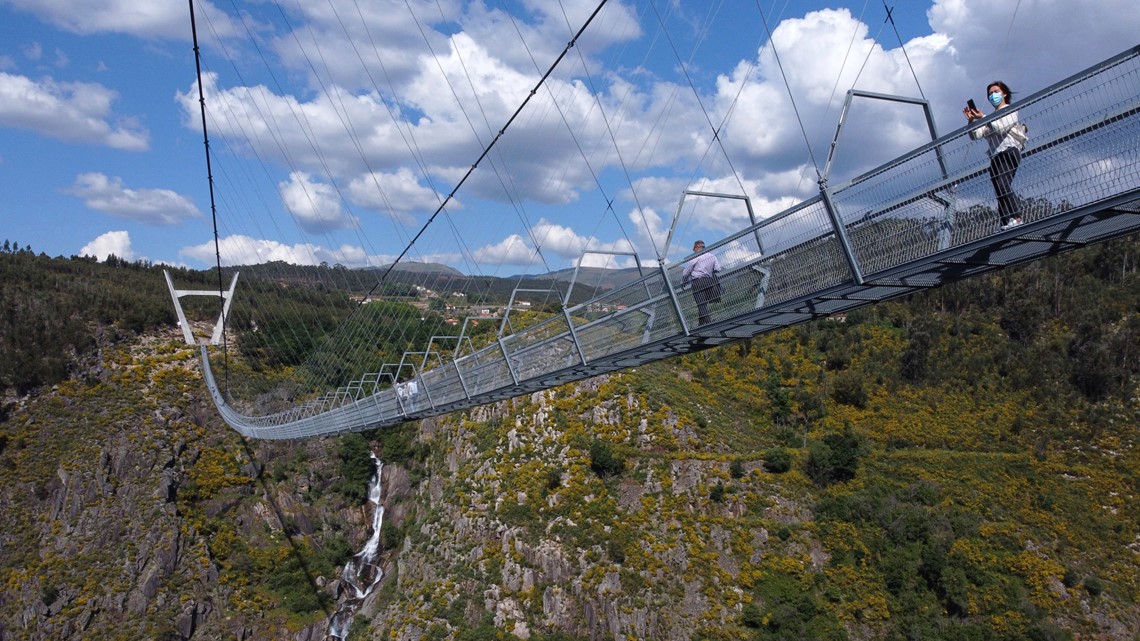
[{"x": 1006, "y": 138}]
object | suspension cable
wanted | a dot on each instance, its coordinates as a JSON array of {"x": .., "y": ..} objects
[
  {"x": 902, "y": 45},
  {"x": 788, "y": 86},
  {"x": 210, "y": 180},
  {"x": 493, "y": 142}
]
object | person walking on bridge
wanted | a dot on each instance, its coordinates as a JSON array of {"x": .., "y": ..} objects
[
  {"x": 1006, "y": 138},
  {"x": 706, "y": 287}
]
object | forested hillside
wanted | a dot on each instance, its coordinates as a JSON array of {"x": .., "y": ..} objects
[{"x": 962, "y": 464}]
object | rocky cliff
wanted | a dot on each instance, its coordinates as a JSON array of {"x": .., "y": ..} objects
[
  {"x": 131, "y": 512},
  {"x": 723, "y": 495}
]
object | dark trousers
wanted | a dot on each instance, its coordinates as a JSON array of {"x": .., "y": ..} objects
[
  {"x": 706, "y": 289},
  {"x": 1003, "y": 167}
]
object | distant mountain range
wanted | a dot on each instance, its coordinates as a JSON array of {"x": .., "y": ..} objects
[
  {"x": 598, "y": 277},
  {"x": 590, "y": 278}
]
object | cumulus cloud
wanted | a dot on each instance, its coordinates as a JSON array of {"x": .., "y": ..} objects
[
  {"x": 152, "y": 19},
  {"x": 554, "y": 241},
  {"x": 314, "y": 205},
  {"x": 784, "y": 111},
  {"x": 116, "y": 243},
  {"x": 512, "y": 250},
  {"x": 567, "y": 243},
  {"x": 404, "y": 40},
  {"x": 1032, "y": 46},
  {"x": 397, "y": 193},
  {"x": 151, "y": 206},
  {"x": 77, "y": 112},
  {"x": 255, "y": 120},
  {"x": 400, "y": 122},
  {"x": 239, "y": 249}
]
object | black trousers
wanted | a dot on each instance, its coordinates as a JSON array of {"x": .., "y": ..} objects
[
  {"x": 1003, "y": 167},
  {"x": 706, "y": 289}
]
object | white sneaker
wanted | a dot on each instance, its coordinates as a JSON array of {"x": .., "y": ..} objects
[{"x": 1013, "y": 222}]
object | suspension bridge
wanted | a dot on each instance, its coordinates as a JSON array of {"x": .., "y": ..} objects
[{"x": 922, "y": 220}]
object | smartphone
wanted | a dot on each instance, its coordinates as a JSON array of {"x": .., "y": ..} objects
[{"x": 971, "y": 105}]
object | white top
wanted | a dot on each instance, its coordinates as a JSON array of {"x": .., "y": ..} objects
[{"x": 1003, "y": 133}]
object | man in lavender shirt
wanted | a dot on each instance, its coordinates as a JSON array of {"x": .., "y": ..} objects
[{"x": 706, "y": 287}]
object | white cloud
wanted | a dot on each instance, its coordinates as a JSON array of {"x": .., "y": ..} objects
[
  {"x": 555, "y": 241},
  {"x": 767, "y": 131},
  {"x": 77, "y": 112},
  {"x": 151, "y": 19},
  {"x": 112, "y": 242},
  {"x": 567, "y": 243},
  {"x": 256, "y": 120},
  {"x": 394, "y": 136},
  {"x": 710, "y": 216},
  {"x": 243, "y": 250},
  {"x": 1032, "y": 46},
  {"x": 512, "y": 250},
  {"x": 315, "y": 206},
  {"x": 151, "y": 206},
  {"x": 396, "y": 193},
  {"x": 400, "y": 40}
]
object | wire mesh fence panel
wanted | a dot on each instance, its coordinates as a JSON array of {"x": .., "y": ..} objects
[
  {"x": 442, "y": 386},
  {"x": 541, "y": 349},
  {"x": 485, "y": 370},
  {"x": 623, "y": 318}
]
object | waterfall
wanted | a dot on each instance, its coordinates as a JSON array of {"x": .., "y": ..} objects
[{"x": 361, "y": 574}]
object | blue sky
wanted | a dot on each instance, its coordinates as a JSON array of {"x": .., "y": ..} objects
[{"x": 334, "y": 147}]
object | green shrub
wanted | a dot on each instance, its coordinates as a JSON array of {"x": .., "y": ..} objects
[
  {"x": 513, "y": 513},
  {"x": 615, "y": 550},
  {"x": 849, "y": 389},
  {"x": 356, "y": 467},
  {"x": 294, "y": 585},
  {"x": 485, "y": 631},
  {"x": 736, "y": 469},
  {"x": 717, "y": 492},
  {"x": 777, "y": 460},
  {"x": 752, "y": 616},
  {"x": 603, "y": 461},
  {"x": 791, "y": 612},
  {"x": 553, "y": 478},
  {"x": 557, "y": 635},
  {"x": 391, "y": 537},
  {"x": 359, "y": 629},
  {"x": 396, "y": 444},
  {"x": 836, "y": 458},
  {"x": 1045, "y": 631},
  {"x": 1071, "y": 578}
]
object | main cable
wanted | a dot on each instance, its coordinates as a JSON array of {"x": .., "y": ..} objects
[
  {"x": 210, "y": 180},
  {"x": 491, "y": 145},
  {"x": 788, "y": 86}
]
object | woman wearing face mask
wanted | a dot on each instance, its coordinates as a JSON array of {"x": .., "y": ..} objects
[{"x": 1006, "y": 138}]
